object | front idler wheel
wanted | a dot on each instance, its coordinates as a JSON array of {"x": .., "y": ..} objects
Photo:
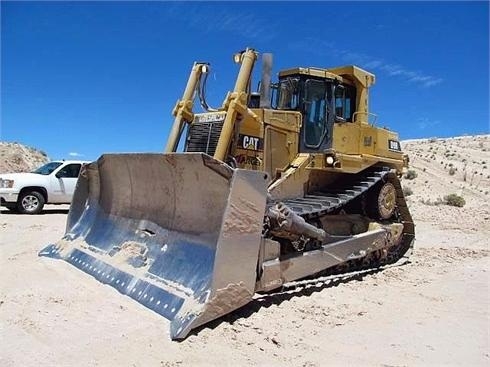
[{"x": 383, "y": 202}]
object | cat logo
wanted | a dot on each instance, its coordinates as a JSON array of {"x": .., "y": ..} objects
[{"x": 250, "y": 142}]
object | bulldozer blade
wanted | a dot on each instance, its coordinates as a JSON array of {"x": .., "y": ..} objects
[{"x": 179, "y": 233}]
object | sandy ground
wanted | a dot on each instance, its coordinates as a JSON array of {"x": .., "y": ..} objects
[{"x": 431, "y": 311}]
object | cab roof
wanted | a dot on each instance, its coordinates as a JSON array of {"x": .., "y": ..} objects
[
  {"x": 312, "y": 71},
  {"x": 347, "y": 73}
]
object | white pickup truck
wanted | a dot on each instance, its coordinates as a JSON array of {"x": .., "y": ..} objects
[{"x": 53, "y": 183}]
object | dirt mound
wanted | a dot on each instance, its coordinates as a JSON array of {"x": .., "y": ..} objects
[{"x": 15, "y": 157}]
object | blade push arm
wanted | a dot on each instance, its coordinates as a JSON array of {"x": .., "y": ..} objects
[
  {"x": 235, "y": 103},
  {"x": 183, "y": 109}
]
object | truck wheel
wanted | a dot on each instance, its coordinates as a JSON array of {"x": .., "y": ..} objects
[{"x": 30, "y": 202}]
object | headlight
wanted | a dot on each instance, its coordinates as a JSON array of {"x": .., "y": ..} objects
[
  {"x": 237, "y": 58},
  {"x": 6, "y": 184},
  {"x": 330, "y": 160}
]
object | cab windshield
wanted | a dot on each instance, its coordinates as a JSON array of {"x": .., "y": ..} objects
[{"x": 48, "y": 168}]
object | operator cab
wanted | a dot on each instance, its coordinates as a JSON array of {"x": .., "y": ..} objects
[{"x": 321, "y": 97}]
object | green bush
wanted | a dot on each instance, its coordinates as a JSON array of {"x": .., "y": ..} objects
[
  {"x": 411, "y": 174},
  {"x": 454, "y": 200},
  {"x": 452, "y": 171}
]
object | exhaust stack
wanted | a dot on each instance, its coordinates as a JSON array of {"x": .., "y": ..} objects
[{"x": 265, "y": 83}]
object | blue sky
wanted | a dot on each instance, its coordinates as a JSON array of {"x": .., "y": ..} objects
[{"x": 87, "y": 78}]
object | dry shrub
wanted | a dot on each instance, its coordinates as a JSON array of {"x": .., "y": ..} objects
[
  {"x": 407, "y": 191},
  {"x": 411, "y": 174},
  {"x": 454, "y": 200}
]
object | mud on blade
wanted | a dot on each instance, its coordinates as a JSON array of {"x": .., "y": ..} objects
[{"x": 179, "y": 233}]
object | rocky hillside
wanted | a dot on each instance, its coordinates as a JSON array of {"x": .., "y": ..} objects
[
  {"x": 455, "y": 165},
  {"x": 15, "y": 157},
  {"x": 459, "y": 167}
]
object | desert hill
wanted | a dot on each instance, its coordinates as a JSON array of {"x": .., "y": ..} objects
[
  {"x": 15, "y": 157},
  {"x": 441, "y": 167},
  {"x": 460, "y": 165}
]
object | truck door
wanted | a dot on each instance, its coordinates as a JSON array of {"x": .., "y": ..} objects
[{"x": 65, "y": 182}]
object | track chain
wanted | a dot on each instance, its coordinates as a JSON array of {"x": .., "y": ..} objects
[{"x": 318, "y": 204}]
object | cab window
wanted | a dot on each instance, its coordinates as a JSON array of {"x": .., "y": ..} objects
[
  {"x": 344, "y": 103},
  {"x": 340, "y": 102},
  {"x": 288, "y": 94},
  {"x": 315, "y": 112}
]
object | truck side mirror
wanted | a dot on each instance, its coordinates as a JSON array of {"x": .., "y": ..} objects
[{"x": 61, "y": 173}]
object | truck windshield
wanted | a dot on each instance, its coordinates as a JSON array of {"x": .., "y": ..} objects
[{"x": 48, "y": 168}]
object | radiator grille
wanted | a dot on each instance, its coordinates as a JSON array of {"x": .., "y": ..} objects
[{"x": 203, "y": 137}]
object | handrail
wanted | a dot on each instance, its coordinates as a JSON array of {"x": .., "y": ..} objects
[{"x": 367, "y": 114}]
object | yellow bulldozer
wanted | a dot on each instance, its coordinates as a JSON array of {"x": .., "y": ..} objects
[{"x": 290, "y": 182}]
